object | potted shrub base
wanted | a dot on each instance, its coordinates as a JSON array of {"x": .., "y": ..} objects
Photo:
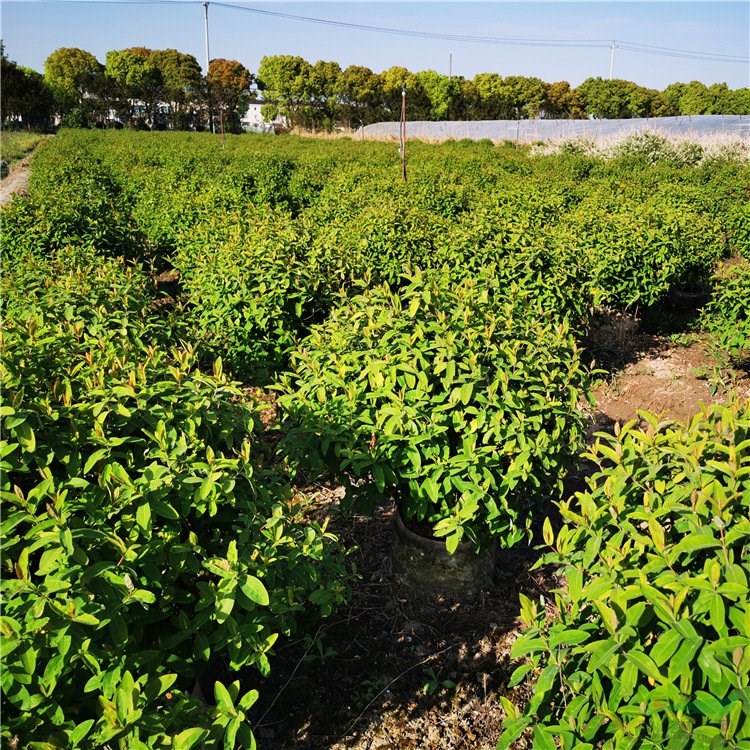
[{"x": 421, "y": 561}]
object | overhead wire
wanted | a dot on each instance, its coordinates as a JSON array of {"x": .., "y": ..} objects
[
  {"x": 511, "y": 41},
  {"x": 421, "y": 34},
  {"x": 650, "y": 49},
  {"x": 647, "y": 49}
]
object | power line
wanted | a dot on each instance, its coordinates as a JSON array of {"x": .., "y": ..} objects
[
  {"x": 650, "y": 49},
  {"x": 424, "y": 34},
  {"x": 580, "y": 43},
  {"x": 509, "y": 41}
]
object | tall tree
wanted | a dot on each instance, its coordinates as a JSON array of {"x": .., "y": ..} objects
[
  {"x": 722, "y": 100},
  {"x": 563, "y": 102},
  {"x": 229, "y": 83},
  {"x": 36, "y": 101},
  {"x": 25, "y": 100},
  {"x": 357, "y": 96},
  {"x": 441, "y": 91},
  {"x": 494, "y": 101},
  {"x": 76, "y": 79},
  {"x": 695, "y": 99},
  {"x": 183, "y": 87},
  {"x": 324, "y": 77},
  {"x": 139, "y": 82},
  {"x": 673, "y": 94},
  {"x": 11, "y": 89},
  {"x": 287, "y": 85},
  {"x": 391, "y": 83},
  {"x": 526, "y": 96},
  {"x": 607, "y": 99},
  {"x": 623, "y": 99},
  {"x": 741, "y": 101},
  {"x": 471, "y": 105}
]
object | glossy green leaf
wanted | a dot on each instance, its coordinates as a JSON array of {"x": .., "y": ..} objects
[{"x": 254, "y": 589}]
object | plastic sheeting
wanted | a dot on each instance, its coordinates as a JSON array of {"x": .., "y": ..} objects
[{"x": 696, "y": 127}]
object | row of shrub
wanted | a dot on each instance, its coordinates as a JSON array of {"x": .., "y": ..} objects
[
  {"x": 265, "y": 234},
  {"x": 423, "y": 339},
  {"x": 150, "y": 548},
  {"x": 460, "y": 401},
  {"x": 647, "y": 640}
]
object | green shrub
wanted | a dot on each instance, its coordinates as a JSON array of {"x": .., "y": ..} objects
[
  {"x": 648, "y": 641},
  {"x": 633, "y": 252},
  {"x": 249, "y": 289},
  {"x": 726, "y": 316},
  {"x": 145, "y": 546},
  {"x": 73, "y": 201},
  {"x": 737, "y": 219},
  {"x": 459, "y": 399}
]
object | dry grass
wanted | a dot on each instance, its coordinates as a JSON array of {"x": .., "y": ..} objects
[
  {"x": 689, "y": 148},
  {"x": 15, "y": 145}
]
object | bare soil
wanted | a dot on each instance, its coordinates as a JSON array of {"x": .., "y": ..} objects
[
  {"x": 17, "y": 181},
  {"x": 399, "y": 668},
  {"x": 669, "y": 380},
  {"x": 406, "y": 670}
]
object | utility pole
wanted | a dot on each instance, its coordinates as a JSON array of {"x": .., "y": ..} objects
[
  {"x": 612, "y": 59},
  {"x": 205, "y": 8},
  {"x": 208, "y": 60},
  {"x": 450, "y": 65}
]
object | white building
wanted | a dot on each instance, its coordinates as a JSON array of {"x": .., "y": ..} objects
[{"x": 253, "y": 119}]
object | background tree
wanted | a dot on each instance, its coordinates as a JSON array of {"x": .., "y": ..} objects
[
  {"x": 182, "y": 87},
  {"x": 25, "y": 100},
  {"x": 286, "y": 83},
  {"x": 673, "y": 94},
  {"x": 563, "y": 102},
  {"x": 471, "y": 105},
  {"x": 644, "y": 102},
  {"x": 722, "y": 99},
  {"x": 695, "y": 99},
  {"x": 442, "y": 94},
  {"x": 229, "y": 83},
  {"x": 659, "y": 105},
  {"x": 324, "y": 78},
  {"x": 390, "y": 83},
  {"x": 493, "y": 97},
  {"x": 624, "y": 99},
  {"x": 139, "y": 82},
  {"x": 526, "y": 96},
  {"x": 606, "y": 99},
  {"x": 741, "y": 102},
  {"x": 357, "y": 94},
  {"x": 76, "y": 79},
  {"x": 35, "y": 102},
  {"x": 11, "y": 89}
]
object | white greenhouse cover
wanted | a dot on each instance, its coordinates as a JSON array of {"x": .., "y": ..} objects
[{"x": 529, "y": 131}]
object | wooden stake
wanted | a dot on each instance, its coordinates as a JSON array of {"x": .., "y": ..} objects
[{"x": 403, "y": 132}]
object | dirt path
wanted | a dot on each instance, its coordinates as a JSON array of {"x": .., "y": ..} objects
[{"x": 17, "y": 182}]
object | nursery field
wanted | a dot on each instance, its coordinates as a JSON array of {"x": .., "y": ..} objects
[{"x": 228, "y": 366}]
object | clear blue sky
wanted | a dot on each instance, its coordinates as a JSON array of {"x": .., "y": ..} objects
[{"x": 32, "y": 29}]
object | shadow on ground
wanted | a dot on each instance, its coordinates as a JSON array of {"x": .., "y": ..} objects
[{"x": 400, "y": 668}]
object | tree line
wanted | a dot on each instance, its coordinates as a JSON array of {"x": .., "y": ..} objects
[
  {"x": 135, "y": 87},
  {"x": 323, "y": 96},
  {"x": 166, "y": 89}
]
